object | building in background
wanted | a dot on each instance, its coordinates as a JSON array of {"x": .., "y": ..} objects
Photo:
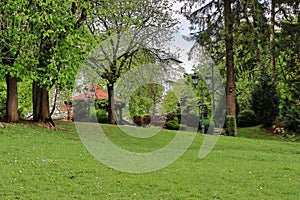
[{"x": 173, "y": 72}]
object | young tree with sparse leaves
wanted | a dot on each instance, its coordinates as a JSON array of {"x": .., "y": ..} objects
[{"x": 126, "y": 26}]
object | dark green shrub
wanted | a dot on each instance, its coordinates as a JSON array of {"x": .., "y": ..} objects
[
  {"x": 290, "y": 115},
  {"x": 246, "y": 118},
  {"x": 172, "y": 124},
  {"x": 179, "y": 118},
  {"x": 101, "y": 104},
  {"x": 230, "y": 125},
  {"x": 102, "y": 116},
  {"x": 265, "y": 100},
  {"x": 2, "y": 112}
]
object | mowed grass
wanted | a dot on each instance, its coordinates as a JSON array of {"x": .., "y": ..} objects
[{"x": 36, "y": 163}]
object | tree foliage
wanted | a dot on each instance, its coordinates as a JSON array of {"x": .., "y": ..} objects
[
  {"x": 145, "y": 100},
  {"x": 42, "y": 40},
  {"x": 265, "y": 100},
  {"x": 125, "y": 26},
  {"x": 16, "y": 39},
  {"x": 265, "y": 38}
]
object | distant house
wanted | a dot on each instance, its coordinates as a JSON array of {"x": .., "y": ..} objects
[
  {"x": 173, "y": 72},
  {"x": 96, "y": 92}
]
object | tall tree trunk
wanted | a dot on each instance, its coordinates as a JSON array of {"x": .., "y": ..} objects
[
  {"x": 111, "y": 103},
  {"x": 272, "y": 38},
  {"x": 45, "y": 107},
  {"x": 230, "y": 92},
  {"x": 41, "y": 107},
  {"x": 11, "y": 99}
]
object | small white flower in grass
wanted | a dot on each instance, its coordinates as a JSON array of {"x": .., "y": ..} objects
[{"x": 259, "y": 188}]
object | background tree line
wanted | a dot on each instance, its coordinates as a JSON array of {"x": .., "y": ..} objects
[
  {"x": 43, "y": 43},
  {"x": 40, "y": 42},
  {"x": 256, "y": 45}
]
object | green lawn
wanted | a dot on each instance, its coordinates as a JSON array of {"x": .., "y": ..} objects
[{"x": 46, "y": 164}]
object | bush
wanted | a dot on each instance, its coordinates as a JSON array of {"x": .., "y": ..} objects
[
  {"x": 290, "y": 115},
  {"x": 230, "y": 125},
  {"x": 172, "y": 124},
  {"x": 101, "y": 104},
  {"x": 265, "y": 100},
  {"x": 102, "y": 116},
  {"x": 246, "y": 118}
]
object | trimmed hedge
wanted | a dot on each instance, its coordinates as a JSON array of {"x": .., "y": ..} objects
[{"x": 247, "y": 118}]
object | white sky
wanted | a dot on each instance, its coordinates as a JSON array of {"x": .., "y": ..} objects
[{"x": 179, "y": 42}]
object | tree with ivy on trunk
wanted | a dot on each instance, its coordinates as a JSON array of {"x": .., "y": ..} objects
[
  {"x": 215, "y": 18},
  {"x": 240, "y": 32}
]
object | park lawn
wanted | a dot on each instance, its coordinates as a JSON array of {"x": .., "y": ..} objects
[{"x": 38, "y": 163}]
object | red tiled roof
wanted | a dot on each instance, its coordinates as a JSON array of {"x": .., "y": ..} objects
[
  {"x": 99, "y": 94},
  {"x": 78, "y": 97}
]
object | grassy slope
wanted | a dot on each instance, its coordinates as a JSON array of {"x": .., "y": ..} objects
[{"x": 44, "y": 164}]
